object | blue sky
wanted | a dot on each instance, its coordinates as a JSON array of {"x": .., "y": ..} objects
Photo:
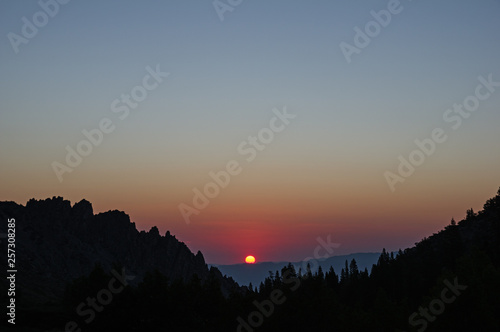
[{"x": 261, "y": 55}]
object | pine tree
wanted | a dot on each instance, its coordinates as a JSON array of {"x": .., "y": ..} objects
[
  {"x": 320, "y": 274},
  {"x": 344, "y": 274},
  {"x": 470, "y": 214},
  {"x": 289, "y": 270},
  {"x": 332, "y": 279},
  {"x": 384, "y": 258},
  {"x": 353, "y": 269},
  {"x": 309, "y": 272},
  {"x": 277, "y": 279}
]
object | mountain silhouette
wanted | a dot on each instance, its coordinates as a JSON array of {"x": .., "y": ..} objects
[
  {"x": 446, "y": 282},
  {"x": 57, "y": 243}
]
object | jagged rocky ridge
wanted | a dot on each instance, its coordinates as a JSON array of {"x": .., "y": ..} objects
[{"x": 57, "y": 242}]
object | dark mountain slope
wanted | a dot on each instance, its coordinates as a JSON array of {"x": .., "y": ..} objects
[
  {"x": 447, "y": 282},
  {"x": 57, "y": 242}
]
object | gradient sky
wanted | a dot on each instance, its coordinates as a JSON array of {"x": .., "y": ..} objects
[{"x": 323, "y": 175}]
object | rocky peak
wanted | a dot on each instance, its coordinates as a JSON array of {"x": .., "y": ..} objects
[
  {"x": 58, "y": 243},
  {"x": 82, "y": 210}
]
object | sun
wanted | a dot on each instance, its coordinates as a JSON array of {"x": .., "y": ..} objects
[{"x": 250, "y": 260}]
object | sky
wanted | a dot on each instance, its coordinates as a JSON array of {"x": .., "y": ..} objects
[{"x": 369, "y": 122}]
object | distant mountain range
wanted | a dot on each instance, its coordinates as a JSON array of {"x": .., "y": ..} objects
[{"x": 244, "y": 274}]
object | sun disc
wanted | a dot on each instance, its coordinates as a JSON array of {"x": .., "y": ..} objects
[{"x": 250, "y": 260}]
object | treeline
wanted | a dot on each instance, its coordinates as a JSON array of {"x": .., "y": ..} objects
[{"x": 447, "y": 282}]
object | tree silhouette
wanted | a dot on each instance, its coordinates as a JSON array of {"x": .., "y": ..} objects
[{"x": 353, "y": 270}]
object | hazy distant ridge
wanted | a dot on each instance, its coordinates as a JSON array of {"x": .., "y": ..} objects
[{"x": 243, "y": 274}]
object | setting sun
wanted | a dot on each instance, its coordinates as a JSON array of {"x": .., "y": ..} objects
[{"x": 250, "y": 260}]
